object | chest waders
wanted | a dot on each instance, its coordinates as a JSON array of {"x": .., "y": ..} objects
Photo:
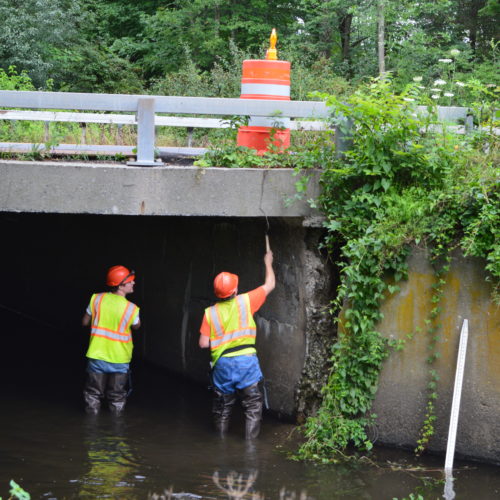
[
  {"x": 251, "y": 400},
  {"x": 112, "y": 386}
]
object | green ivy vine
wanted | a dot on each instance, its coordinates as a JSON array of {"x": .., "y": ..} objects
[
  {"x": 433, "y": 327},
  {"x": 400, "y": 184}
]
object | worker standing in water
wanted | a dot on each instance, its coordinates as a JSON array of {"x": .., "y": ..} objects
[
  {"x": 111, "y": 318},
  {"x": 229, "y": 329}
]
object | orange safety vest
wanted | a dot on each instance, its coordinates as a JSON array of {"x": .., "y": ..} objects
[
  {"x": 110, "y": 335},
  {"x": 231, "y": 325}
]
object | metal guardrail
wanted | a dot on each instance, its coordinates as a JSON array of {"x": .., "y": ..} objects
[
  {"x": 147, "y": 109},
  {"x": 165, "y": 121},
  {"x": 189, "y": 123},
  {"x": 99, "y": 150}
]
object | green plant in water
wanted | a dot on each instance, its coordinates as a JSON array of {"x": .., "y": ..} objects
[{"x": 16, "y": 492}]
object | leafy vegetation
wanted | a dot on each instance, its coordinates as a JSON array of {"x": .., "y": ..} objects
[
  {"x": 405, "y": 181},
  {"x": 11, "y": 80},
  {"x": 128, "y": 47},
  {"x": 401, "y": 184},
  {"x": 16, "y": 492}
]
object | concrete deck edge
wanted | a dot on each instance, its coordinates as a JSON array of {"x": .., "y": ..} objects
[{"x": 108, "y": 188}]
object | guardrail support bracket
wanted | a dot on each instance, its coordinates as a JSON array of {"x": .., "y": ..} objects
[{"x": 145, "y": 134}]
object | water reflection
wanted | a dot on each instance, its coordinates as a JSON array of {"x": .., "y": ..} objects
[
  {"x": 234, "y": 486},
  {"x": 165, "y": 445},
  {"x": 111, "y": 465},
  {"x": 238, "y": 486}
]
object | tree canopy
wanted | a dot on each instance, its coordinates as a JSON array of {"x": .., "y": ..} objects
[{"x": 128, "y": 46}]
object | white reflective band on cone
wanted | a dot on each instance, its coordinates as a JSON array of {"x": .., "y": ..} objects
[
  {"x": 265, "y": 89},
  {"x": 265, "y": 121}
]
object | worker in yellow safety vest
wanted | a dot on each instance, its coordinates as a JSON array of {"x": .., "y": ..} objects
[
  {"x": 111, "y": 318},
  {"x": 228, "y": 329}
]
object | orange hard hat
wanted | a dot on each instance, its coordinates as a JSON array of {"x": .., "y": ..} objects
[
  {"x": 119, "y": 275},
  {"x": 225, "y": 284}
]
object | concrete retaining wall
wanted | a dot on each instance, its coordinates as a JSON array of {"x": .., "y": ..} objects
[{"x": 401, "y": 399}]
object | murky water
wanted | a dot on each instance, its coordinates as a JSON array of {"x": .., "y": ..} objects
[{"x": 165, "y": 443}]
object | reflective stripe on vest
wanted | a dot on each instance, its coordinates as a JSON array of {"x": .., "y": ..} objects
[
  {"x": 122, "y": 334},
  {"x": 239, "y": 327},
  {"x": 96, "y": 309},
  {"x": 127, "y": 318}
]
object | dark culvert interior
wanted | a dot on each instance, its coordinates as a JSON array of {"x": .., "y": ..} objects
[{"x": 54, "y": 262}]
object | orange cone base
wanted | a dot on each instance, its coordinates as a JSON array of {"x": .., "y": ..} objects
[{"x": 259, "y": 138}]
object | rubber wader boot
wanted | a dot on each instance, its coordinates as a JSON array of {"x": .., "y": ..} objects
[
  {"x": 93, "y": 391},
  {"x": 251, "y": 400},
  {"x": 117, "y": 391},
  {"x": 221, "y": 409}
]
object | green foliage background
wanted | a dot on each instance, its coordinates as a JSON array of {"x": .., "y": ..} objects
[{"x": 191, "y": 47}]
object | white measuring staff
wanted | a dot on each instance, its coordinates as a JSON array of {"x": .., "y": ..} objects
[{"x": 457, "y": 393}]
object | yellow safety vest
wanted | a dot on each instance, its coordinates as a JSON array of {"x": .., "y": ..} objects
[
  {"x": 110, "y": 335},
  {"x": 231, "y": 325}
]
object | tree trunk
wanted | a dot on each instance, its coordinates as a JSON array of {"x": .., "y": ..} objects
[
  {"x": 381, "y": 37},
  {"x": 473, "y": 27},
  {"x": 345, "y": 37}
]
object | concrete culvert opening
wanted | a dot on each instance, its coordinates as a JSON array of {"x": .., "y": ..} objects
[{"x": 54, "y": 262}]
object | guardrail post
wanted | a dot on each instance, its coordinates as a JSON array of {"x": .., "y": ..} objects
[
  {"x": 190, "y": 136},
  {"x": 469, "y": 123},
  {"x": 83, "y": 139},
  {"x": 343, "y": 135},
  {"x": 145, "y": 133}
]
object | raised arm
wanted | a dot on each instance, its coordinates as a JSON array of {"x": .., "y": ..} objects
[{"x": 270, "y": 281}]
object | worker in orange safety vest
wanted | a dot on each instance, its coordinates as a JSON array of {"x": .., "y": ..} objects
[
  {"x": 111, "y": 318},
  {"x": 228, "y": 329}
]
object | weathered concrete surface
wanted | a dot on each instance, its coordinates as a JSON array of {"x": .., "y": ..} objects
[
  {"x": 401, "y": 399},
  {"x": 319, "y": 286},
  {"x": 100, "y": 188}
]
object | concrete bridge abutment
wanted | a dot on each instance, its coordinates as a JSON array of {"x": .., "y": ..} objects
[{"x": 63, "y": 225}]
